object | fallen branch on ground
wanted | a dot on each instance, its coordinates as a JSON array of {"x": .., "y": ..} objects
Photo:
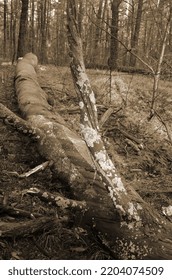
[
  {"x": 36, "y": 169},
  {"x": 58, "y": 199},
  {"x": 9, "y": 118},
  {"x": 27, "y": 228}
]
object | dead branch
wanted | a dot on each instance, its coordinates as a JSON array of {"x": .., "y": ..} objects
[
  {"x": 16, "y": 212},
  {"x": 34, "y": 170},
  {"x": 128, "y": 135},
  {"x": 58, "y": 199},
  {"x": 133, "y": 145},
  {"x": 9, "y": 118},
  {"x": 28, "y": 227},
  {"x": 105, "y": 116}
]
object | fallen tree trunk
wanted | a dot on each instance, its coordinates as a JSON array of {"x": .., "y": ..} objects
[{"x": 139, "y": 232}]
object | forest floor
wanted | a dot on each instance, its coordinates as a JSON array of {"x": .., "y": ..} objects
[{"x": 140, "y": 148}]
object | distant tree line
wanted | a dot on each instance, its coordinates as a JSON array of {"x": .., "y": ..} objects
[{"x": 114, "y": 32}]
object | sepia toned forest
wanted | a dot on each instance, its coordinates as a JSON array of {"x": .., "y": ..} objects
[{"x": 86, "y": 141}]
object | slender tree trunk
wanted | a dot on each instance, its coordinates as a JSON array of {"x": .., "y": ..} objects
[
  {"x": 80, "y": 16},
  {"x": 43, "y": 54},
  {"x": 103, "y": 17},
  {"x": 135, "y": 38},
  {"x": 159, "y": 63},
  {"x": 98, "y": 27},
  {"x": 33, "y": 26},
  {"x": 170, "y": 32},
  {"x": 107, "y": 40},
  {"x": 148, "y": 45},
  {"x": 14, "y": 18},
  {"x": 22, "y": 40},
  {"x": 90, "y": 36},
  {"x": 114, "y": 34},
  {"x": 5, "y": 27}
]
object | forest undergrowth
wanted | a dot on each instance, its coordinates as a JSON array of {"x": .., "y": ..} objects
[{"x": 140, "y": 148}]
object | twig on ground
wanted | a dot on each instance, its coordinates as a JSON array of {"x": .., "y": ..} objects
[
  {"x": 18, "y": 212},
  {"x": 36, "y": 169},
  {"x": 133, "y": 145},
  {"x": 128, "y": 135},
  {"x": 106, "y": 116},
  {"x": 42, "y": 250}
]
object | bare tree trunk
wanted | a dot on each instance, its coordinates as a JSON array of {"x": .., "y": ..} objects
[
  {"x": 5, "y": 27},
  {"x": 43, "y": 54},
  {"x": 80, "y": 16},
  {"x": 33, "y": 26},
  {"x": 114, "y": 34},
  {"x": 14, "y": 28},
  {"x": 98, "y": 21},
  {"x": 22, "y": 40},
  {"x": 135, "y": 38},
  {"x": 103, "y": 17},
  {"x": 160, "y": 61}
]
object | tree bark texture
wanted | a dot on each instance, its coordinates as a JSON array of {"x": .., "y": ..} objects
[
  {"x": 5, "y": 28},
  {"x": 135, "y": 37},
  {"x": 44, "y": 5},
  {"x": 22, "y": 39},
  {"x": 114, "y": 34},
  {"x": 123, "y": 221}
]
